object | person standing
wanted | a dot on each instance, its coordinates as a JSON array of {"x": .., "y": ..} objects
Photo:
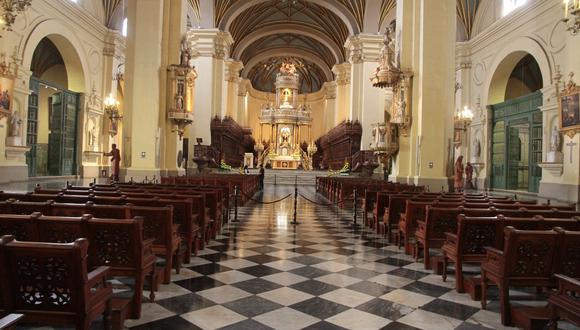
[
  {"x": 458, "y": 179},
  {"x": 262, "y": 173},
  {"x": 115, "y": 160}
]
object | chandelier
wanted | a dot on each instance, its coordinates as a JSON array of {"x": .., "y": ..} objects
[
  {"x": 112, "y": 111},
  {"x": 463, "y": 118},
  {"x": 572, "y": 16},
  {"x": 10, "y": 9}
]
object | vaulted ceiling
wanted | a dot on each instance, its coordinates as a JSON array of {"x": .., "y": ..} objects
[{"x": 310, "y": 32}]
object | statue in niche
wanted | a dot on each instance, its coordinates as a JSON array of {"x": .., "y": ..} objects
[
  {"x": 15, "y": 123},
  {"x": 555, "y": 140},
  {"x": 476, "y": 153},
  {"x": 185, "y": 53},
  {"x": 92, "y": 136},
  {"x": 388, "y": 56},
  {"x": 179, "y": 102}
]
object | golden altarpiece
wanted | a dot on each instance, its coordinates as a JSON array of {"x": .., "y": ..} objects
[{"x": 285, "y": 124}]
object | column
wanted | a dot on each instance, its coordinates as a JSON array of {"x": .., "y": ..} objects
[
  {"x": 168, "y": 143},
  {"x": 342, "y": 79},
  {"x": 143, "y": 82},
  {"x": 232, "y": 75},
  {"x": 242, "y": 94},
  {"x": 367, "y": 102},
  {"x": 331, "y": 108},
  {"x": 463, "y": 99},
  {"x": 427, "y": 48},
  {"x": 210, "y": 47},
  {"x": 113, "y": 58}
]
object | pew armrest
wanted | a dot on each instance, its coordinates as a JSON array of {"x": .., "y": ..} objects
[
  {"x": 101, "y": 273},
  {"x": 10, "y": 320},
  {"x": 421, "y": 226},
  {"x": 493, "y": 255},
  {"x": 566, "y": 283},
  {"x": 450, "y": 238}
]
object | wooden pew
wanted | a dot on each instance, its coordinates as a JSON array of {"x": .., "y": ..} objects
[
  {"x": 77, "y": 297},
  {"x": 117, "y": 243},
  {"x": 528, "y": 259},
  {"x": 564, "y": 304}
]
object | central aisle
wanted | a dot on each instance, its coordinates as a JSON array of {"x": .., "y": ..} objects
[{"x": 266, "y": 273}]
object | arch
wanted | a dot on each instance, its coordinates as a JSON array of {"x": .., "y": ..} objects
[
  {"x": 287, "y": 28},
  {"x": 239, "y": 6},
  {"x": 283, "y": 51},
  {"x": 504, "y": 62},
  {"x": 69, "y": 47}
]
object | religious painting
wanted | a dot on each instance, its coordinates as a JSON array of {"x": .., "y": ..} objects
[
  {"x": 569, "y": 102},
  {"x": 6, "y": 94}
]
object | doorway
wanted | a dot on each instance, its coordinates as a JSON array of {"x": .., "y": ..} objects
[
  {"x": 52, "y": 130},
  {"x": 517, "y": 143}
]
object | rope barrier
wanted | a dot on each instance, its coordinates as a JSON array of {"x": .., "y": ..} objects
[
  {"x": 325, "y": 204},
  {"x": 268, "y": 202}
]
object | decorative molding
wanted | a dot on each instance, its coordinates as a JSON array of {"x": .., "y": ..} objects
[
  {"x": 209, "y": 42},
  {"x": 364, "y": 48},
  {"x": 555, "y": 169},
  {"x": 342, "y": 73}
]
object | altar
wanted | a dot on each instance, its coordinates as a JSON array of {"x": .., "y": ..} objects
[{"x": 287, "y": 126}]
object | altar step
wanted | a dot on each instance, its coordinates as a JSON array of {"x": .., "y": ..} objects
[{"x": 289, "y": 177}]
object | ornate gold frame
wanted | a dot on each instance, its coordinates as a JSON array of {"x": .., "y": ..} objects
[{"x": 570, "y": 92}]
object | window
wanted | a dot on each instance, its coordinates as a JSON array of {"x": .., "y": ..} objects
[
  {"x": 511, "y": 5},
  {"x": 124, "y": 28}
]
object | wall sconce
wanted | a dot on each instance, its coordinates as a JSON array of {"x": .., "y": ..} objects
[
  {"x": 572, "y": 16},
  {"x": 112, "y": 111}
]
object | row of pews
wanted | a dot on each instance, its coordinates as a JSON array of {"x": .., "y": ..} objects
[
  {"x": 516, "y": 243},
  {"x": 63, "y": 245}
]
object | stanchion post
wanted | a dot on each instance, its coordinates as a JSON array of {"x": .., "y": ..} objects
[
  {"x": 354, "y": 208},
  {"x": 294, "y": 221},
  {"x": 235, "y": 204}
]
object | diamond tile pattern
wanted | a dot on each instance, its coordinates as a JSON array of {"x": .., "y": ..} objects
[{"x": 264, "y": 273}]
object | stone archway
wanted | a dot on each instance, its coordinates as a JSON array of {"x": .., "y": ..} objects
[{"x": 53, "y": 117}]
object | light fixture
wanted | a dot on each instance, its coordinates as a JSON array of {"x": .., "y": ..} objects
[
  {"x": 112, "y": 111},
  {"x": 10, "y": 9},
  {"x": 572, "y": 16},
  {"x": 463, "y": 117}
]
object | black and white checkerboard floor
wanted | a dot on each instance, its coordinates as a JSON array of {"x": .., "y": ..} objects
[{"x": 265, "y": 273}]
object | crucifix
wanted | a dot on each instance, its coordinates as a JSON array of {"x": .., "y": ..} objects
[{"x": 571, "y": 145}]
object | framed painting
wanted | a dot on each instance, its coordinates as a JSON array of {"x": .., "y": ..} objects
[
  {"x": 6, "y": 95},
  {"x": 569, "y": 104}
]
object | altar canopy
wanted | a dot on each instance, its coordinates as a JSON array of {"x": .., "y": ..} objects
[{"x": 286, "y": 120}]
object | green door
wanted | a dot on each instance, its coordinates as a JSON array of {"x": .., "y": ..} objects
[
  {"x": 32, "y": 126},
  {"x": 517, "y": 143},
  {"x": 62, "y": 136},
  {"x": 498, "y": 174}
]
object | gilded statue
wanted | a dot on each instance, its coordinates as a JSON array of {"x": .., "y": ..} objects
[{"x": 288, "y": 68}]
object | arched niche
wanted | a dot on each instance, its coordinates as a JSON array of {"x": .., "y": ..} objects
[
  {"x": 68, "y": 46},
  {"x": 505, "y": 61}
]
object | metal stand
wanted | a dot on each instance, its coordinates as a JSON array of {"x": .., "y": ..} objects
[
  {"x": 294, "y": 222},
  {"x": 235, "y": 204},
  {"x": 354, "y": 209}
]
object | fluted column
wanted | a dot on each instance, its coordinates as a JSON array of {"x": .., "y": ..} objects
[
  {"x": 342, "y": 79},
  {"x": 243, "y": 102},
  {"x": 210, "y": 48},
  {"x": 367, "y": 102},
  {"x": 330, "y": 102},
  {"x": 232, "y": 75}
]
